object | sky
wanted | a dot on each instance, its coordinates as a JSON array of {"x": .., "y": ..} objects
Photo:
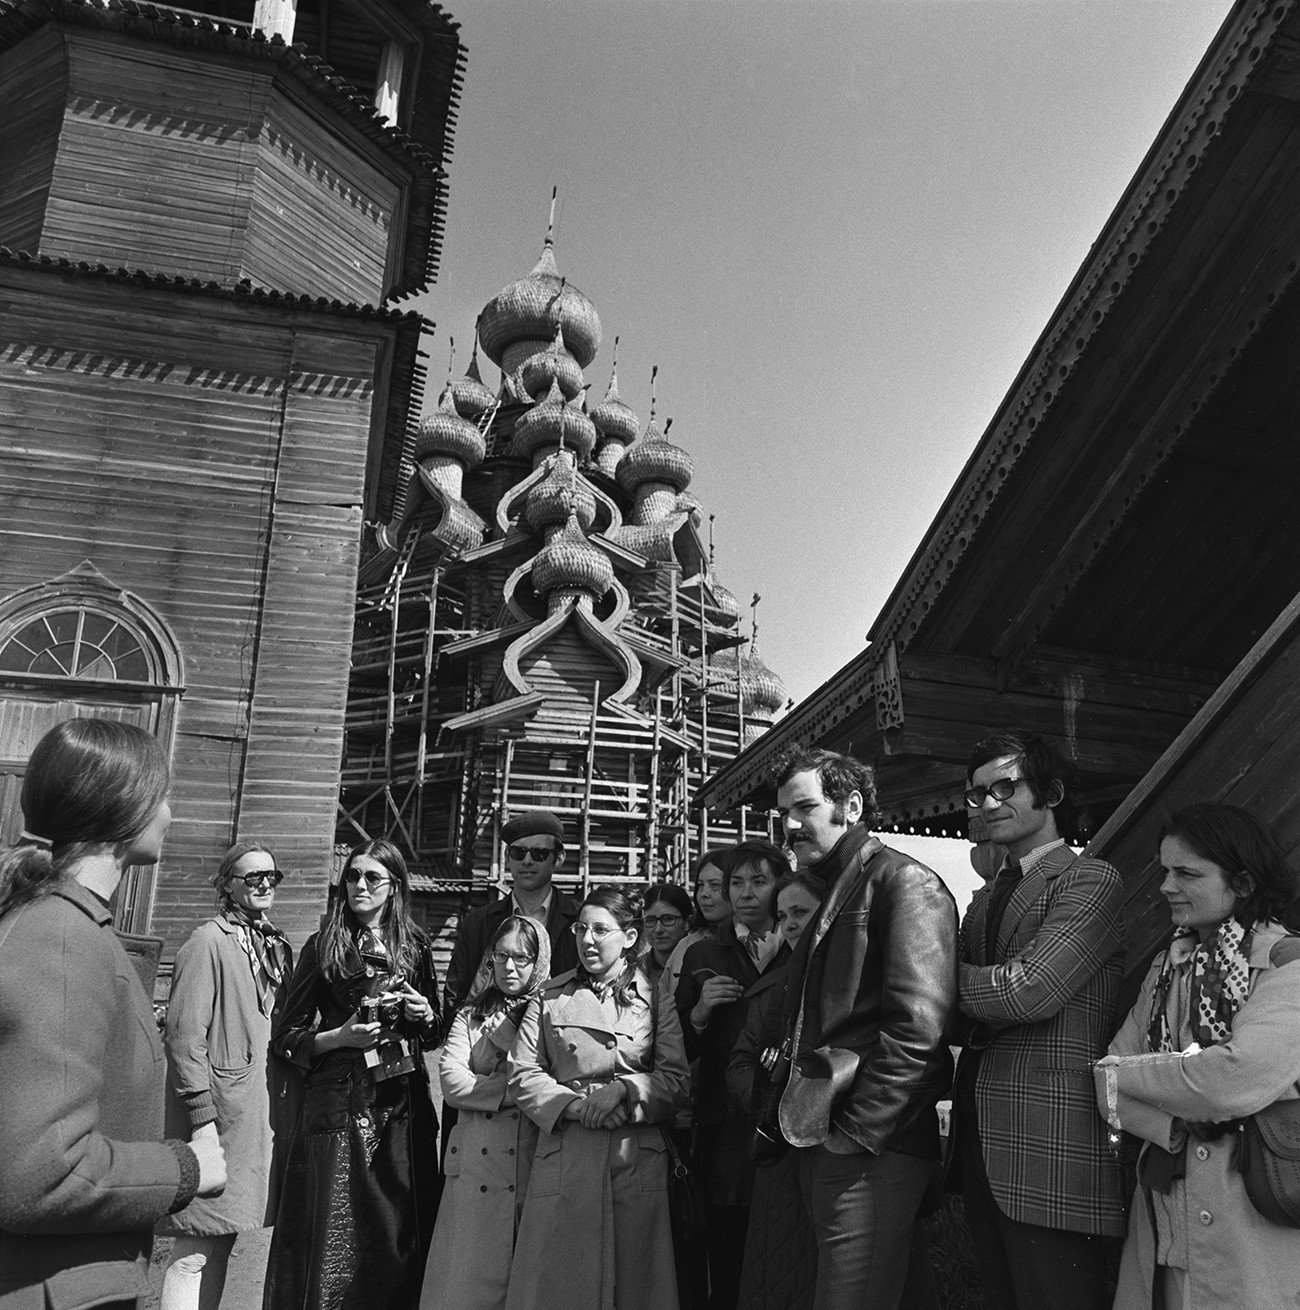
[{"x": 836, "y": 226}]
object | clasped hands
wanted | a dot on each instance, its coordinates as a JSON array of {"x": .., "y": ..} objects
[{"x": 606, "y": 1107}]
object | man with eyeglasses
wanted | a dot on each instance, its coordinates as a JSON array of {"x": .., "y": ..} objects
[
  {"x": 534, "y": 847},
  {"x": 228, "y": 985},
  {"x": 1041, "y": 957}
]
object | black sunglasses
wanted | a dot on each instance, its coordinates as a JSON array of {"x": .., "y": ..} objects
[
  {"x": 536, "y": 853},
  {"x": 273, "y": 876}
]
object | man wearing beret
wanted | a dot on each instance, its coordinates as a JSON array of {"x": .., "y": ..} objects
[{"x": 534, "y": 843}]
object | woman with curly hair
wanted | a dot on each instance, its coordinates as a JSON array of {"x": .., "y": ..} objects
[
  {"x": 1213, "y": 1038},
  {"x": 598, "y": 1066},
  {"x": 490, "y": 1149},
  {"x": 360, "y": 1192}
]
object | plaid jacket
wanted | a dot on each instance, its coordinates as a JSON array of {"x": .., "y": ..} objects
[{"x": 1049, "y": 994}]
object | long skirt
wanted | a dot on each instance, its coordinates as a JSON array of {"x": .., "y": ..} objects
[{"x": 359, "y": 1197}]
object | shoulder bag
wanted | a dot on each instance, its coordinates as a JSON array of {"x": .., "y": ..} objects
[{"x": 1268, "y": 1156}]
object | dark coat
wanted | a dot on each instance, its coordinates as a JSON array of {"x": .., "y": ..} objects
[
  {"x": 779, "y": 1271},
  {"x": 84, "y": 1172},
  {"x": 873, "y": 996},
  {"x": 360, "y": 1191},
  {"x": 722, "y": 1125},
  {"x": 478, "y": 928}
]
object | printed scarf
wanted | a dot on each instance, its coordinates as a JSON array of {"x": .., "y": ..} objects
[
  {"x": 267, "y": 949},
  {"x": 1220, "y": 985}
]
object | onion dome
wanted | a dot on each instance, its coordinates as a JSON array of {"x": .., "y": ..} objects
[
  {"x": 654, "y": 459},
  {"x": 570, "y": 562},
  {"x": 763, "y": 692},
  {"x": 552, "y": 365},
  {"x": 471, "y": 396},
  {"x": 613, "y": 419},
  {"x": 544, "y": 424},
  {"x": 560, "y": 493},
  {"x": 725, "y": 600},
  {"x": 533, "y": 307},
  {"x": 445, "y": 432}
]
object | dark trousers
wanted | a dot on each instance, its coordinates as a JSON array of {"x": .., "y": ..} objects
[
  {"x": 727, "y": 1227},
  {"x": 863, "y": 1211},
  {"x": 1024, "y": 1266}
]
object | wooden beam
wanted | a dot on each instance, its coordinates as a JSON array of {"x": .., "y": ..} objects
[
  {"x": 388, "y": 89},
  {"x": 275, "y": 18}
]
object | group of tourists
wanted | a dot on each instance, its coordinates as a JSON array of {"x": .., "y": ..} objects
[{"x": 651, "y": 1099}]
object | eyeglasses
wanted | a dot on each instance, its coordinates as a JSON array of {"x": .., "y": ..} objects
[
  {"x": 535, "y": 853},
  {"x": 596, "y": 931},
  {"x": 273, "y": 876},
  {"x": 662, "y": 920},
  {"x": 505, "y": 957},
  {"x": 1001, "y": 789},
  {"x": 372, "y": 879}
]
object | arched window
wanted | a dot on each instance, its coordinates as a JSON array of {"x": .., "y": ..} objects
[{"x": 74, "y": 647}]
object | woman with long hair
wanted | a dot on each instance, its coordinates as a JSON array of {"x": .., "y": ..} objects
[
  {"x": 1213, "y": 1038},
  {"x": 712, "y": 910},
  {"x": 360, "y": 1192},
  {"x": 490, "y": 1149},
  {"x": 228, "y": 986},
  {"x": 713, "y": 999},
  {"x": 598, "y": 1066},
  {"x": 85, "y": 1171}
]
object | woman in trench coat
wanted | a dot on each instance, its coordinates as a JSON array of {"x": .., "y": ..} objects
[
  {"x": 598, "y": 1065},
  {"x": 1213, "y": 1038},
  {"x": 490, "y": 1149},
  {"x": 228, "y": 986}
]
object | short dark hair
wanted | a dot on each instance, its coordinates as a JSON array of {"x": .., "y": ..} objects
[
  {"x": 840, "y": 776},
  {"x": 670, "y": 893},
  {"x": 1238, "y": 843},
  {"x": 1042, "y": 763}
]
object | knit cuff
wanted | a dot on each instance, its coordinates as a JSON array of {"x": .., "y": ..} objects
[
  {"x": 200, "y": 1107},
  {"x": 189, "y": 1184}
]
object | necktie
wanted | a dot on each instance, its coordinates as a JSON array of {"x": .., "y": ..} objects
[{"x": 1003, "y": 885}]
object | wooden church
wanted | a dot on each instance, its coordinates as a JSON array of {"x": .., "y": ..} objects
[{"x": 204, "y": 213}]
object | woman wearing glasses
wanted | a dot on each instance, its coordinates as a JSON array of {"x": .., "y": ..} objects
[
  {"x": 598, "y": 1065},
  {"x": 360, "y": 1191},
  {"x": 667, "y": 916},
  {"x": 227, "y": 989},
  {"x": 490, "y": 1149}
]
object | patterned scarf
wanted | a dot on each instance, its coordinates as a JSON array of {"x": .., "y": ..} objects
[
  {"x": 1220, "y": 985},
  {"x": 267, "y": 949}
]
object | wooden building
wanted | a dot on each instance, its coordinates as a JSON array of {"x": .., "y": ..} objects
[
  {"x": 1125, "y": 531},
  {"x": 202, "y": 395},
  {"x": 540, "y": 626}
]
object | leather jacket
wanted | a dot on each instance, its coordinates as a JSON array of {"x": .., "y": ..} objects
[{"x": 873, "y": 996}]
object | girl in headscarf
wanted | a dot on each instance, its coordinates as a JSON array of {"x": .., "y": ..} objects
[
  {"x": 360, "y": 1191},
  {"x": 1213, "y": 1038},
  {"x": 490, "y": 1149},
  {"x": 228, "y": 987}
]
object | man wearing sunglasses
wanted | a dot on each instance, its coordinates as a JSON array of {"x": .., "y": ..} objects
[
  {"x": 1041, "y": 957},
  {"x": 534, "y": 850}
]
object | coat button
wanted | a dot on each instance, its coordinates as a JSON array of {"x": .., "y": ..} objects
[
  {"x": 488, "y": 1115},
  {"x": 483, "y": 1188},
  {"x": 609, "y": 1045},
  {"x": 1206, "y": 1218},
  {"x": 511, "y": 1188},
  {"x": 511, "y": 1151},
  {"x": 485, "y": 1150},
  {"x": 454, "y": 1149},
  {"x": 1202, "y": 1152}
]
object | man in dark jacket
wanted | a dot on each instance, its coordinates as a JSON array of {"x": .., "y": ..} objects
[
  {"x": 872, "y": 993},
  {"x": 534, "y": 844}
]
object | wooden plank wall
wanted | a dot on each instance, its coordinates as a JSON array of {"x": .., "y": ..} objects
[
  {"x": 33, "y": 83},
  {"x": 172, "y": 163},
  {"x": 295, "y": 738},
  {"x": 141, "y": 431}
]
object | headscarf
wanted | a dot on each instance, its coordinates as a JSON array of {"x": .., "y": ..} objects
[
  {"x": 486, "y": 975},
  {"x": 1220, "y": 985}
]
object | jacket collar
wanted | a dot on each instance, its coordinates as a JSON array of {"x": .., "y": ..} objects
[{"x": 83, "y": 899}]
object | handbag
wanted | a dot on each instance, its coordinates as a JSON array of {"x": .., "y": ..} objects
[
  {"x": 686, "y": 1216},
  {"x": 1268, "y": 1157}
]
